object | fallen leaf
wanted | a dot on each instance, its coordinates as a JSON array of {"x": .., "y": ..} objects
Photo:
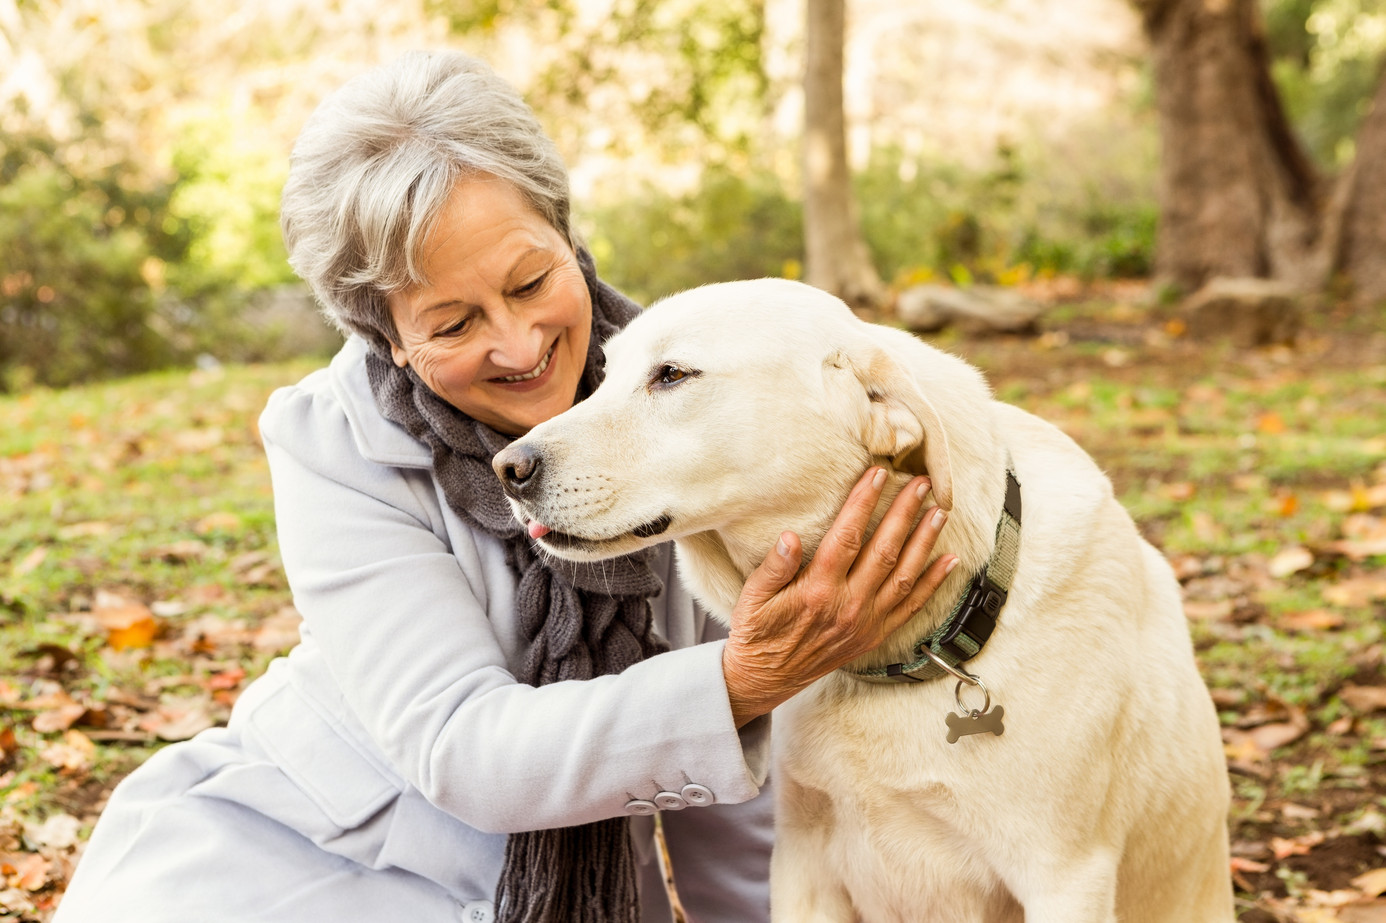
[
  {"x": 1311, "y": 620},
  {"x": 218, "y": 522},
  {"x": 73, "y": 753},
  {"x": 1289, "y": 561},
  {"x": 1364, "y": 699},
  {"x": 84, "y": 530},
  {"x": 56, "y": 712},
  {"x": 130, "y": 626},
  {"x": 58, "y": 831},
  {"x": 178, "y": 719},
  {"x": 1272, "y": 424},
  {"x": 1283, "y": 848},
  {"x": 1286, "y": 505},
  {"x": 1363, "y": 912},
  {"x": 30, "y": 561},
  {"x": 1240, "y": 864},
  {"x": 180, "y": 552},
  {"x": 1356, "y": 592},
  {"x": 1372, "y": 884},
  {"x": 1216, "y": 610},
  {"x": 279, "y": 632},
  {"x": 30, "y": 872},
  {"x": 1179, "y": 491}
]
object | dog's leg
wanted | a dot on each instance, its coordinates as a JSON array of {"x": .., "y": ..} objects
[
  {"x": 1082, "y": 892},
  {"x": 804, "y": 886},
  {"x": 803, "y": 889}
]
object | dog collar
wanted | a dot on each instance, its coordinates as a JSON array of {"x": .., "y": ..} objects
[{"x": 973, "y": 618}]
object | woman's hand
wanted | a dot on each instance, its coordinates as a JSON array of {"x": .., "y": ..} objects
[{"x": 790, "y": 628}]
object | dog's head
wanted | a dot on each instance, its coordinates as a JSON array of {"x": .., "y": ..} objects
[{"x": 738, "y": 409}]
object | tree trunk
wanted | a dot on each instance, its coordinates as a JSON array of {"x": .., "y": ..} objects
[
  {"x": 835, "y": 252},
  {"x": 1362, "y": 243},
  {"x": 1239, "y": 196}
]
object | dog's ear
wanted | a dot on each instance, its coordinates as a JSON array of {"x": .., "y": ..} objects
[{"x": 901, "y": 424}]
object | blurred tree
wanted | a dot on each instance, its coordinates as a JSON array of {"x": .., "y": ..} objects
[
  {"x": 836, "y": 257},
  {"x": 1240, "y": 193}
]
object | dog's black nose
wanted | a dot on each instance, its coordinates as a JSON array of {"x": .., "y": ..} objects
[{"x": 516, "y": 466}]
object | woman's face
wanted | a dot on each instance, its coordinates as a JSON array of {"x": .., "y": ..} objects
[{"x": 501, "y": 329}]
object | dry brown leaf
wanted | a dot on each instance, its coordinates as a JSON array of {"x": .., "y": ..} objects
[
  {"x": 179, "y": 552},
  {"x": 27, "y": 871},
  {"x": 1372, "y": 884},
  {"x": 279, "y": 632},
  {"x": 1356, "y": 592},
  {"x": 1363, "y": 912},
  {"x": 1311, "y": 620},
  {"x": 129, "y": 626},
  {"x": 178, "y": 718},
  {"x": 57, "y": 711},
  {"x": 30, "y": 561},
  {"x": 1215, "y": 610},
  {"x": 218, "y": 522},
  {"x": 1283, "y": 848},
  {"x": 73, "y": 753},
  {"x": 1289, "y": 561},
  {"x": 1364, "y": 699}
]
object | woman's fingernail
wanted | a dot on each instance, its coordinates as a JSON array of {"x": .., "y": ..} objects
[
  {"x": 878, "y": 481},
  {"x": 948, "y": 568},
  {"x": 782, "y": 548},
  {"x": 939, "y": 517},
  {"x": 923, "y": 489}
]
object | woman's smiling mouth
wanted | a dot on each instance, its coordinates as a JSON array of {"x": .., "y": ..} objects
[{"x": 532, "y": 373}]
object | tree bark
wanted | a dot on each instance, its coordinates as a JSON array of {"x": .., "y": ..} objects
[
  {"x": 1239, "y": 195},
  {"x": 836, "y": 256},
  {"x": 1362, "y": 241}
]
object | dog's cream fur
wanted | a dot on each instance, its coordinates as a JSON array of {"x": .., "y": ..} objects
[{"x": 743, "y": 409}]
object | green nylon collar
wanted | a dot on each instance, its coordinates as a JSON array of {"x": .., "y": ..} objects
[{"x": 973, "y": 618}]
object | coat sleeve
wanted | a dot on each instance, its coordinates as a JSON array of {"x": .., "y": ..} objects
[
  {"x": 721, "y": 856},
  {"x": 415, "y": 661}
]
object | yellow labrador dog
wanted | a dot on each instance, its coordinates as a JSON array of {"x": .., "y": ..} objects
[{"x": 1037, "y": 743}]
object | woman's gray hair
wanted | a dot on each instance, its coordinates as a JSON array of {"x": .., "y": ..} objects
[{"x": 376, "y": 162}]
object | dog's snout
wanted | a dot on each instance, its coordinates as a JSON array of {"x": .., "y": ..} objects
[{"x": 516, "y": 466}]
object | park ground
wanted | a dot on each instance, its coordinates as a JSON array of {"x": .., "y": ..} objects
[{"x": 140, "y": 587}]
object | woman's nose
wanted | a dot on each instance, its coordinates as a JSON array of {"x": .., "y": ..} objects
[{"x": 518, "y": 346}]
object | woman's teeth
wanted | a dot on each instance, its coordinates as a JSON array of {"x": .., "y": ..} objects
[{"x": 534, "y": 372}]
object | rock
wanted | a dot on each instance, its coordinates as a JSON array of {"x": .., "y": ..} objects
[
  {"x": 978, "y": 308},
  {"x": 1247, "y": 312}
]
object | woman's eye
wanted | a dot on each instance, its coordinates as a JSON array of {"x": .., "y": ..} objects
[
  {"x": 454, "y": 329},
  {"x": 529, "y": 288}
]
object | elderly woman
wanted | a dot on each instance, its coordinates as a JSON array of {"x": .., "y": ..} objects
[{"x": 469, "y": 730}]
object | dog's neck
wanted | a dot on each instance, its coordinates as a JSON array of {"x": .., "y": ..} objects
[{"x": 715, "y": 565}]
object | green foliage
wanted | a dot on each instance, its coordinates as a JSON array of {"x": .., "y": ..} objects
[
  {"x": 654, "y": 243},
  {"x": 1327, "y": 60},
  {"x": 84, "y": 247}
]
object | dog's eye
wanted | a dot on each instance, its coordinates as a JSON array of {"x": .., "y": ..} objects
[{"x": 668, "y": 375}]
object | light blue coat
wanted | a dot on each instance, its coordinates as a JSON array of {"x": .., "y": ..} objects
[{"x": 374, "y": 773}]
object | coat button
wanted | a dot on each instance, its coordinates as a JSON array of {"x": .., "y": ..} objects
[
  {"x": 479, "y": 912},
  {"x": 640, "y": 806},
  {"x": 700, "y": 796},
  {"x": 670, "y": 801}
]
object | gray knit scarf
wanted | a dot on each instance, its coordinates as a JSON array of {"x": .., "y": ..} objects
[{"x": 580, "y": 621}]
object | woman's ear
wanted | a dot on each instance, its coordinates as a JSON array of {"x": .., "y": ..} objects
[
  {"x": 901, "y": 424},
  {"x": 399, "y": 355}
]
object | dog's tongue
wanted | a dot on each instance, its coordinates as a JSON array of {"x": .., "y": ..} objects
[{"x": 537, "y": 529}]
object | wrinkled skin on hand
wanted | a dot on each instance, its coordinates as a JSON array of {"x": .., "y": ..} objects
[{"x": 791, "y": 627}]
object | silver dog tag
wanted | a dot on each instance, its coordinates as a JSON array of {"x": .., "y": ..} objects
[{"x": 975, "y": 722}]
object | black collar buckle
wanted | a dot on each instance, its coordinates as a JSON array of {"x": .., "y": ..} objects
[{"x": 976, "y": 618}]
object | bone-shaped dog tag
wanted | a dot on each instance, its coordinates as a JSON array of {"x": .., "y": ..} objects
[{"x": 975, "y": 723}]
